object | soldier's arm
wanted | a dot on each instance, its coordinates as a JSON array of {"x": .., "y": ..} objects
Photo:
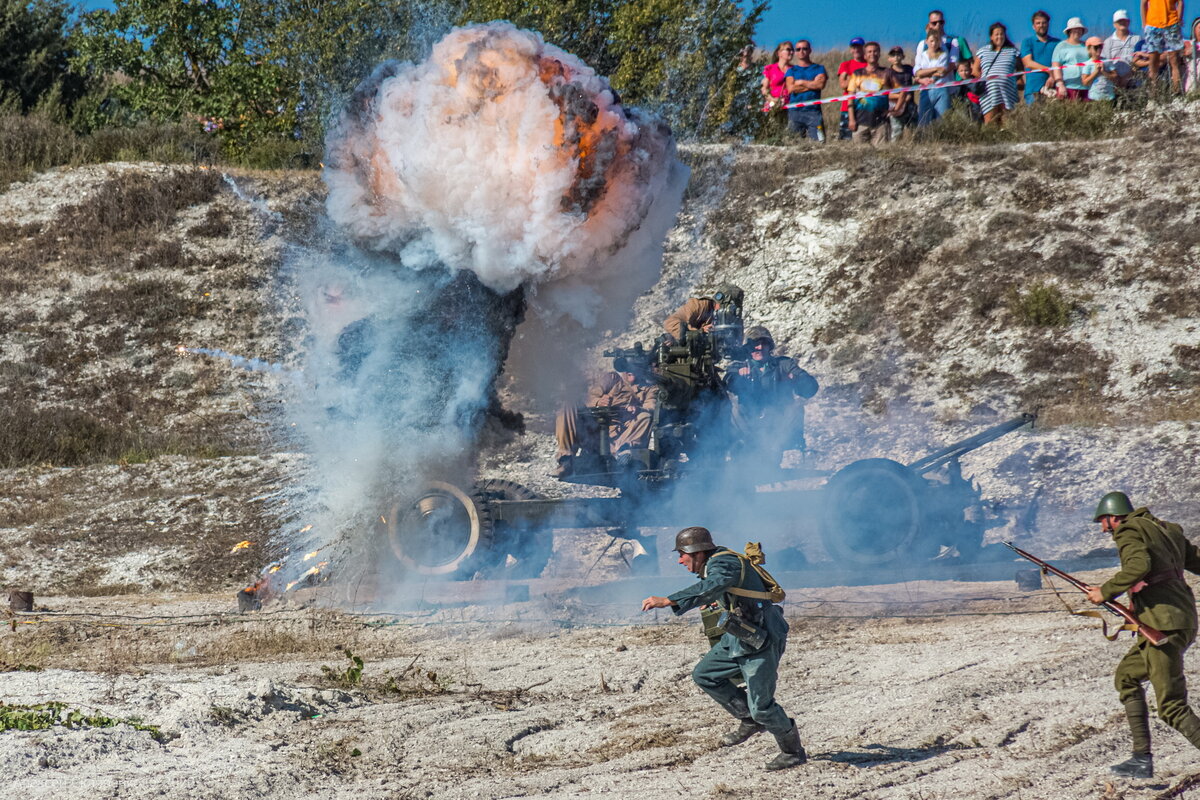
[
  {"x": 723, "y": 572},
  {"x": 803, "y": 384},
  {"x": 1135, "y": 562},
  {"x": 600, "y": 393},
  {"x": 650, "y": 401}
]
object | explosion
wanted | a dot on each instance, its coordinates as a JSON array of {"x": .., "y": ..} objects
[{"x": 499, "y": 176}]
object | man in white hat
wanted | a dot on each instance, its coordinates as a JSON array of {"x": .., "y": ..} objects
[
  {"x": 1068, "y": 54},
  {"x": 1162, "y": 22},
  {"x": 1125, "y": 50}
]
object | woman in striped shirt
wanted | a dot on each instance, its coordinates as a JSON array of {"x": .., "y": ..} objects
[{"x": 999, "y": 59}]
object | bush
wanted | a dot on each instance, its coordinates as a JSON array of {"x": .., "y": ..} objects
[{"x": 1040, "y": 306}]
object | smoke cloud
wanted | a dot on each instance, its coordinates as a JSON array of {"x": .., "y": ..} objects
[{"x": 497, "y": 189}]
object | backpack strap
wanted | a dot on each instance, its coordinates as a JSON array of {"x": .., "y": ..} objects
[{"x": 774, "y": 593}]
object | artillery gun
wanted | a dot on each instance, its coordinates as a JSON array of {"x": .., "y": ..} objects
[{"x": 870, "y": 513}]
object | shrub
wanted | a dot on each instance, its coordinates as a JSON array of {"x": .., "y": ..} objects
[{"x": 1039, "y": 306}]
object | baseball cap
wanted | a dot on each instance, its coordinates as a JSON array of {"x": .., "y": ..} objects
[
  {"x": 1094, "y": 40},
  {"x": 1121, "y": 14},
  {"x": 1074, "y": 22},
  {"x": 857, "y": 40},
  {"x": 896, "y": 51}
]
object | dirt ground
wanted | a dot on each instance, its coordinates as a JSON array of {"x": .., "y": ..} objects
[{"x": 927, "y": 689}]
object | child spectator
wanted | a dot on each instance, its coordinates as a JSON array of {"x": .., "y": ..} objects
[
  {"x": 999, "y": 58},
  {"x": 805, "y": 81},
  {"x": 845, "y": 70},
  {"x": 967, "y": 95},
  {"x": 1037, "y": 52},
  {"x": 932, "y": 68},
  {"x": 1099, "y": 76},
  {"x": 868, "y": 119},
  {"x": 1067, "y": 55},
  {"x": 903, "y": 110}
]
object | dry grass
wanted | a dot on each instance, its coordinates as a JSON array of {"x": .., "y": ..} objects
[{"x": 126, "y": 645}]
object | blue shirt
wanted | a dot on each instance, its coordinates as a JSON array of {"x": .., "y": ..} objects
[
  {"x": 804, "y": 74},
  {"x": 1042, "y": 53}
]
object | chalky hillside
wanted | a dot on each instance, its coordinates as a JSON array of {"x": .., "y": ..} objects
[{"x": 933, "y": 290}]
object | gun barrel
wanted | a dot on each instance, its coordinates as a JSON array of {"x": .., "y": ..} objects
[{"x": 961, "y": 448}]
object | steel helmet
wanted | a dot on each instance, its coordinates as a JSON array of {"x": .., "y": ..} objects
[
  {"x": 1113, "y": 504},
  {"x": 694, "y": 540},
  {"x": 757, "y": 333}
]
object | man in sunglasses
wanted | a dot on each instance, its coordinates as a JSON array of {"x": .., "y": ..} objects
[
  {"x": 956, "y": 46},
  {"x": 768, "y": 394}
]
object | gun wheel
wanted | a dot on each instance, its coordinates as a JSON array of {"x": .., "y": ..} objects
[
  {"x": 530, "y": 548},
  {"x": 443, "y": 531},
  {"x": 873, "y": 514}
]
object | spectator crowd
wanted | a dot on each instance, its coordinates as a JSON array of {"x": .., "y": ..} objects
[{"x": 946, "y": 71}]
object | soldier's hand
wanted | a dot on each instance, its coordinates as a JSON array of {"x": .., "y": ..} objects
[
  {"x": 655, "y": 602},
  {"x": 744, "y": 372},
  {"x": 1095, "y": 595}
]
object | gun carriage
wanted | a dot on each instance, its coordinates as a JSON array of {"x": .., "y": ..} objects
[{"x": 870, "y": 513}]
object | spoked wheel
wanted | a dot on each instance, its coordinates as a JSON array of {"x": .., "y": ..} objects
[
  {"x": 872, "y": 514},
  {"x": 529, "y": 548},
  {"x": 444, "y": 531}
]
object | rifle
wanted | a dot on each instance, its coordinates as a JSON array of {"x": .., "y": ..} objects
[{"x": 1154, "y": 636}]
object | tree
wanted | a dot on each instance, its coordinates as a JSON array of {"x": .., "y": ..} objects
[
  {"x": 34, "y": 53},
  {"x": 673, "y": 56}
]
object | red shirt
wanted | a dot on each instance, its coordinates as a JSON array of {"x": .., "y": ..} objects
[{"x": 846, "y": 68}]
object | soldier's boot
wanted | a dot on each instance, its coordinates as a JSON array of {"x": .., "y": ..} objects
[
  {"x": 791, "y": 752},
  {"x": 745, "y": 730},
  {"x": 1141, "y": 765},
  {"x": 739, "y": 706}
]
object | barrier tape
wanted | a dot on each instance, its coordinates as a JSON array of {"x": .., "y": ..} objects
[{"x": 918, "y": 88}]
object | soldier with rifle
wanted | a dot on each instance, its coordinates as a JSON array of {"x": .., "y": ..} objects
[
  {"x": 750, "y": 648},
  {"x": 1154, "y": 553},
  {"x": 768, "y": 393}
]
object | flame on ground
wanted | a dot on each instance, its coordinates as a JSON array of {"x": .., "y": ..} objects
[{"x": 240, "y": 546}]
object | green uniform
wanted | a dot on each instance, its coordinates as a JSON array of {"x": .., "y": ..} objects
[
  {"x": 729, "y": 662},
  {"x": 1155, "y": 553}
]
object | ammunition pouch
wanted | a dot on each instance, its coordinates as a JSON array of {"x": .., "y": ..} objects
[
  {"x": 710, "y": 617},
  {"x": 749, "y": 634}
]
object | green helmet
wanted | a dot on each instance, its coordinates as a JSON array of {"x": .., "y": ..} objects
[
  {"x": 1113, "y": 504},
  {"x": 694, "y": 540},
  {"x": 757, "y": 333}
]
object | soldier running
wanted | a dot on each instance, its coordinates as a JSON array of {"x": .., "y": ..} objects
[
  {"x": 1154, "y": 553},
  {"x": 730, "y": 580}
]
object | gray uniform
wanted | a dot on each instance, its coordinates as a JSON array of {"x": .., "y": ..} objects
[{"x": 729, "y": 661}]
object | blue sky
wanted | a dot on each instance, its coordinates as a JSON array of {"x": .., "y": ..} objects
[
  {"x": 891, "y": 23},
  {"x": 882, "y": 20}
]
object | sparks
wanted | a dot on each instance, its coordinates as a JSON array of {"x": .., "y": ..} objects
[
  {"x": 240, "y": 546},
  {"x": 311, "y": 555},
  {"x": 305, "y": 529}
]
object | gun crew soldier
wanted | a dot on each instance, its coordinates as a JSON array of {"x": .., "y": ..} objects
[
  {"x": 699, "y": 313},
  {"x": 1154, "y": 553},
  {"x": 768, "y": 394},
  {"x": 751, "y": 647},
  {"x": 629, "y": 390}
]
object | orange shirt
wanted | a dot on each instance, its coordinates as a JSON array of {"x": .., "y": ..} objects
[{"x": 1161, "y": 13}]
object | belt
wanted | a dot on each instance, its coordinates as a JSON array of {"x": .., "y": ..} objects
[{"x": 1154, "y": 578}]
